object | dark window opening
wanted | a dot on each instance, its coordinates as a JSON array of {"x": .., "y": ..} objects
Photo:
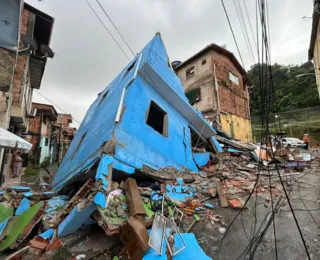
[
  {"x": 157, "y": 118},
  {"x": 204, "y": 61},
  {"x": 42, "y": 32},
  {"x": 129, "y": 69},
  {"x": 103, "y": 97},
  {"x": 190, "y": 73},
  {"x": 197, "y": 143},
  {"x": 79, "y": 144},
  {"x": 194, "y": 96}
]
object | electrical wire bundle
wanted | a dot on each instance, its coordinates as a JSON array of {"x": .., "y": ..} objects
[{"x": 268, "y": 106}]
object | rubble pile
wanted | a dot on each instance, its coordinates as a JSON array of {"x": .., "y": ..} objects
[{"x": 149, "y": 215}]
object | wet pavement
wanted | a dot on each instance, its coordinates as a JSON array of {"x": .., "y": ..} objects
[{"x": 289, "y": 243}]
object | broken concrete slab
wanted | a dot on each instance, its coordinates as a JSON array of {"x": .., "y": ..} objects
[
  {"x": 75, "y": 219},
  {"x": 24, "y": 205},
  {"x": 191, "y": 252}
]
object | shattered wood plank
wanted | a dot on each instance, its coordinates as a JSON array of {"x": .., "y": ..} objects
[
  {"x": 135, "y": 236},
  {"x": 133, "y": 195},
  {"x": 238, "y": 145},
  {"x": 168, "y": 174},
  {"x": 18, "y": 253},
  {"x": 222, "y": 196},
  {"x": 109, "y": 146}
]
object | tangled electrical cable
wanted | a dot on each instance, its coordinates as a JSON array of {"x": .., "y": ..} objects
[{"x": 268, "y": 105}]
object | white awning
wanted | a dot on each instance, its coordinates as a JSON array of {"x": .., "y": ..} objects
[{"x": 10, "y": 140}]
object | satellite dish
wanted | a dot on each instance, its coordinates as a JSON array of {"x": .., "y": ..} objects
[
  {"x": 46, "y": 50},
  {"x": 175, "y": 64},
  {"x": 29, "y": 42}
]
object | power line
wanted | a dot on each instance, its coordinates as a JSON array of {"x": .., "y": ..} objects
[
  {"x": 234, "y": 38},
  {"x": 115, "y": 27},
  {"x": 267, "y": 55},
  {"x": 244, "y": 28},
  {"x": 247, "y": 14},
  {"x": 107, "y": 30}
]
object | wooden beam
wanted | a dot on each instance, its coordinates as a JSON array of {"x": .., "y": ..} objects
[{"x": 222, "y": 196}]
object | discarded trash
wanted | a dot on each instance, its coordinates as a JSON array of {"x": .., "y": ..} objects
[
  {"x": 222, "y": 230},
  {"x": 236, "y": 203},
  {"x": 209, "y": 205}
]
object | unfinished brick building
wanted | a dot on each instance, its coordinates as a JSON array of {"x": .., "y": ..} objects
[
  {"x": 217, "y": 85},
  {"x": 25, "y": 34},
  {"x": 21, "y": 68},
  {"x": 63, "y": 134},
  {"x": 41, "y": 130}
]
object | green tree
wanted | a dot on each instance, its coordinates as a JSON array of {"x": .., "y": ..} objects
[{"x": 290, "y": 92}]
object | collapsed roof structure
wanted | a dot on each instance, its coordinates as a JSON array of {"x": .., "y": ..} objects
[{"x": 141, "y": 123}]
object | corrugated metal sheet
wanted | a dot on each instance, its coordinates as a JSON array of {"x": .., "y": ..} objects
[{"x": 36, "y": 66}]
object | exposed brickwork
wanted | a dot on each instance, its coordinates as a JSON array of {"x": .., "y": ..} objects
[
  {"x": 233, "y": 97},
  {"x": 34, "y": 125},
  {"x": 20, "y": 71},
  {"x": 40, "y": 106},
  {"x": 212, "y": 67},
  {"x": 64, "y": 120},
  {"x": 9, "y": 65}
]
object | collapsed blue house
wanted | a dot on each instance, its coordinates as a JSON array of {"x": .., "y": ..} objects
[{"x": 140, "y": 124}]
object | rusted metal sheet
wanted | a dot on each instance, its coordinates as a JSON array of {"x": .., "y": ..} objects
[
  {"x": 135, "y": 236},
  {"x": 133, "y": 195}
]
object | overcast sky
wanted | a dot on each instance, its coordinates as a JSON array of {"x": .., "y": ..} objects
[{"x": 87, "y": 59}]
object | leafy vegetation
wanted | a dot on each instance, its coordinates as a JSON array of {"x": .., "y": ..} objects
[
  {"x": 30, "y": 171},
  {"x": 291, "y": 93},
  {"x": 297, "y": 100}
]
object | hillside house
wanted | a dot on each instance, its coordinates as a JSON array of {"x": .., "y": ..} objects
[
  {"x": 217, "y": 85},
  {"x": 63, "y": 135},
  {"x": 41, "y": 131},
  {"x": 25, "y": 34},
  {"x": 141, "y": 123}
]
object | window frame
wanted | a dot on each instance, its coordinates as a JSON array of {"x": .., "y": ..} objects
[
  {"x": 190, "y": 75},
  {"x": 232, "y": 77},
  {"x": 196, "y": 91},
  {"x": 165, "y": 128}
]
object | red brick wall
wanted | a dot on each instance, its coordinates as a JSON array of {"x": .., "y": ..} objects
[
  {"x": 34, "y": 125},
  {"x": 233, "y": 98},
  {"x": 64, "y": 120},
  {"x": 19, "y": 73}
]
